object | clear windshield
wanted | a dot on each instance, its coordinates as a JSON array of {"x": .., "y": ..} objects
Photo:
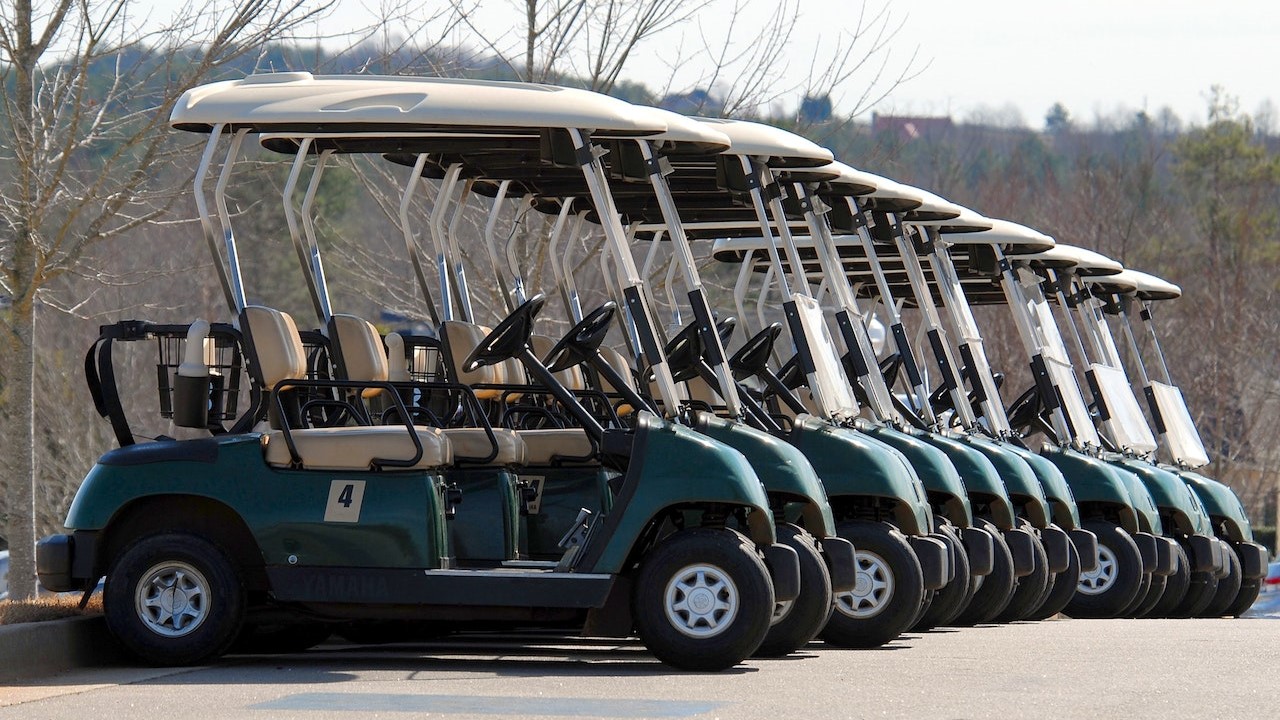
[
  {"x": 1181, "y": 439},
  {"x": 1125, "y": 425},
  {"x": 829, "y": 382}
]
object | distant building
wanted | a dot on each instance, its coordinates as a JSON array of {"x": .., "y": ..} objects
[{"x": 907, "y": 128}]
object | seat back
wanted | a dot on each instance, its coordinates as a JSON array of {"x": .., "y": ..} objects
[
  {"x": 358, "y": 351},
  {"x": 274, "y": 346}
]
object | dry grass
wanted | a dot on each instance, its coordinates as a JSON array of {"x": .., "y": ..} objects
[{"x": 47, "y": 608}]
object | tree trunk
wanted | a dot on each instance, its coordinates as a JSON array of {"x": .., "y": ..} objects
[{"x": 17, "y": 425}]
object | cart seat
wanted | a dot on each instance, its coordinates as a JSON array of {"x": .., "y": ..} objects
[
  {"x": 360, "y": 349},
  {"x": 277, "y": 354},
  {"x": 355, "y": 448},
  {"x": 546, "y": 446},
  {"x": 474, "y": 443}
]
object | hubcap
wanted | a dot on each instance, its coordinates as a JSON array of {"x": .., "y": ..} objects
[
  {"x": 172, "y": 599},
  {"x": 872, "y": 591},
  {"x": 1096, "y": 582},
  {"x": 781, "y": 609},
  {"x": 701, "y": 601}
]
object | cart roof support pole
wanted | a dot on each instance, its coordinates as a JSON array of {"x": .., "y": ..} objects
[
  {"x": 309, "y": 229},
  {"x": 490, "y": 244},
  {"x": 206, "y": 221},
  {"x": 224, "y": 217},
  {"x": 411, "y": 245}
]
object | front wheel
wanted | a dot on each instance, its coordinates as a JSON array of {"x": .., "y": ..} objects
[
  {"x": 1030, "y": 589},
  {"x": 796, "y": 622},
  {"x": 951, "y": 599},
  {"x": 1109, "y": 589},
  {"x": 174, "y": 599},
  {"x": 703, "y": 599},
  {"x": 889, "y": 589},
  {"x": 1228, "y": 587},
  {"x": 1062, "y": 589},
  {"x": 1175, "y": 586},
  {"x": 992, "y": 592}
]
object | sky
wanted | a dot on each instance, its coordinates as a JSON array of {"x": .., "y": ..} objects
[{"x": 1003, "y": 59}]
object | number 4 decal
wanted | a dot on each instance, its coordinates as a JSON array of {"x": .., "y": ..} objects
[{"x": 345, "y": 499}]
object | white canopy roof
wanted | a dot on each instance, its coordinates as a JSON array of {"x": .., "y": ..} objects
[
  {"x": 1144, "y": 285},
  {"x": 1002, "y": 232},
  {"x": 327, "y": 103},
  {"x": 1083, "y": 262},
  {"x": 782, "y": 147}
]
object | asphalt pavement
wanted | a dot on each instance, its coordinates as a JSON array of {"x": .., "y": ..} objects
[{"x": 1060, "y": 668}]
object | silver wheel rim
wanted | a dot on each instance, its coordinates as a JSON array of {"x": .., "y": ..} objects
[
  {"x": 701, "y": 601},
  {"x": 172, "y": 599},
  {"x": 1100, "y": 580},
  {"x": 872, "y": 591}
]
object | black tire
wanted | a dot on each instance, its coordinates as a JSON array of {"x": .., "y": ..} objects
[
  {"x": 798, "y": 621},
  {"x": 713, "y": 567},
  {"x": 1200, "y": 593},
  {"x": 1110, "y": 590},
  {"x": 1144, "y": 588},
  {"x": 1175, "y": 586},
  {"x": 890, "y": 588},
  {"x": 207, "y": 594},
  {"x": 1249, "y": 590},
  {"x": 1029, "y": 590},
  {"x": 1154, "y": 592},
  {"x": 269, "y": 639},
  {"x": 952, "y": 598},
  {"x": 1228, "y": 587},
  {"x": 1061, "y": 589},
  {"x": 993, "y": 591}
]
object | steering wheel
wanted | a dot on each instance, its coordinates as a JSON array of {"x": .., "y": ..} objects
[
  {"x": 940, "y": 399},
  {"x": 790, "y": 373},
  {"x": 889, "y": 368},
  {"x": 1026, "y": 408},
  {"x": 684, "y": 353},
  {"x": 753, "y": 357},
  {"x": 582, "y": 339},
  {"x": 508, "y": 338},
  {"x": 725, "y": 329}
]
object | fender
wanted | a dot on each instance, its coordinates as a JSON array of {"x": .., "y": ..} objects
[
  {"x": 981, "y": 479},
  {"x": 1224, "y": 508},
  {"x": 1019, "y": 479},
  {"x": 852, "y": 463},
  {"x": 1172, "y": 496},
  {"x": 936, "y": 472},
  {"x": 1095, "y": 482},
  {"x": 780, "y": 466},
  {"x": 1065, "y": 514},
  {"x": 673, "y": 466}
]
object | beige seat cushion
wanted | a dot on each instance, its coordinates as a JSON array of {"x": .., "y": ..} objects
[
  {"x": 360, "y": 346},
  {"x": 474, "y": 442},
  {"x": 277, "y": 346},
  {"x": 354, "y": 448},
  {"x": 543, "y": 446}
]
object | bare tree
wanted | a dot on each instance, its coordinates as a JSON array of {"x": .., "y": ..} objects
[{"x": 88, "y": 93}]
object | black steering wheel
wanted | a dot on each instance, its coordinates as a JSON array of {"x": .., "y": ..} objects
[
  {"x": 753, "y": 357},
  {"x": 889, "y": 368},
  {"x": 582, "y": 339},
  {"x": 508, "y": 338},
  {"x": 684, "y": 353},
  {"x": 725, "y": 328},
  {"x": 1024, "y": 410}
]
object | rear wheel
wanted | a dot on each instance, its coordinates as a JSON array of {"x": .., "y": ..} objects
[
  {"x": 1110, "y": 588},
  {"x": 889, "y": 589},
  {"x": 1062, "y": 589},
  {"x": 796, "y": 622},
  {"x": 1228, "y": 587},
  {"x": 951, "y": 599},
  {"x": 703, "y": 599},
  {"x": 1200, "y": 592},
  {"x": 1144, "y": 588},
  {"x": 993, "y": 591},
  {"x": 174, "y": 599},
  {"x": 1175, "y": 586},
  {"x": 1030, "y": 589}
]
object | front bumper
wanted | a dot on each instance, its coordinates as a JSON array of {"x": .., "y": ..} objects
[
  {"x": 841, "y": 563},
  {"x": 784, "y": 570}
]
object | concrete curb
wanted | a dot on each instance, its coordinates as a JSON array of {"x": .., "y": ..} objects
[{"x": 40, "y": 649}]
